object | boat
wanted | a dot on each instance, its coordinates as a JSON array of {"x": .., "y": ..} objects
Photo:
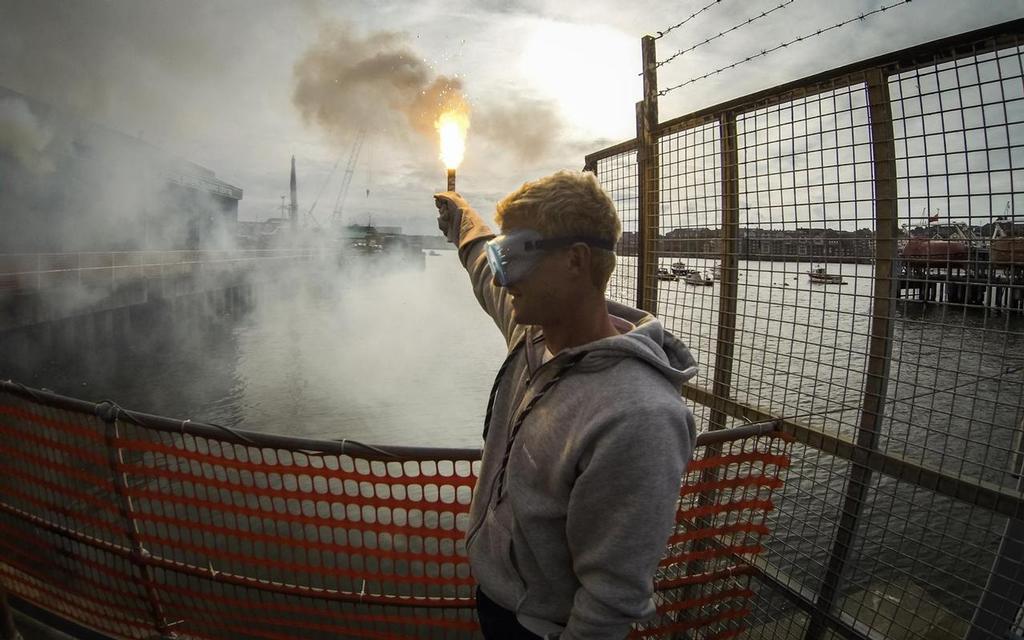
[
  {"x": 665, "y": 274},
  {"x": 680, "y": 269},
  {"x": 821, "y": 276},
  {"x": 934, "y": 251},
  {"x": 1007, "y": 251},
  {"x": 699, "y": 279}
]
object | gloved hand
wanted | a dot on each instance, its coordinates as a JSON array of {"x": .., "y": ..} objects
[
  {"x": 459, "y": 222},
  {"x": 450, "y": 207}
]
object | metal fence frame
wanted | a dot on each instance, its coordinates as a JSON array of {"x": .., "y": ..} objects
[
  {"x": 993, "y": 614},
  {"x": 21, "y": 272}
]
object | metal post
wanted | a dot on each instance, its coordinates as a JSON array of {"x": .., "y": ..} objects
[
  {"x": 648, "y": 182},
  {"x": 726, "y": 340},
  {"x": 726, "y": 335},
  {"x": 876, "y": 383},
  {"x": 1003, "y": 598}
]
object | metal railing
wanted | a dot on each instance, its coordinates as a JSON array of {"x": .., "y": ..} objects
[
  {"x": 139, "y": 526},
  {"x": 898, "y": 366},
  {"x": 37, "y": 271}
]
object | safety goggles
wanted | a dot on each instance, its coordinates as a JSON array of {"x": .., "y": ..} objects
[{"x": 513, "y": 255}]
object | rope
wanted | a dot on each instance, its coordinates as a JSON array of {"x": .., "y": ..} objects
[
  {"x": 383, "y": 452},
  {"x": 108, "y": 410},
  {"x": 782, "y": 45}
]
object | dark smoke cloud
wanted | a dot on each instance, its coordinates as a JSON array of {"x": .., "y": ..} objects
[
  {"x": 345, "y": 82},
  {"x": 527, "y": 128},
  {"x": 138, "y": 66}
]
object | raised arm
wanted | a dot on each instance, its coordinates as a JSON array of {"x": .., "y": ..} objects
[{"x": 465, "y": 229}]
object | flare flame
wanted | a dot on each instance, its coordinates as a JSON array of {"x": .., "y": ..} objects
[{"x": 452, "y": 126}]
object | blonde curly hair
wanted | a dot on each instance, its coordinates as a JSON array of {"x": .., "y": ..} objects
[{"x": 566, "y": 203}]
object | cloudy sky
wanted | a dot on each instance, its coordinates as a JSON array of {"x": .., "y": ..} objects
[{"x": 239, "y": 86}]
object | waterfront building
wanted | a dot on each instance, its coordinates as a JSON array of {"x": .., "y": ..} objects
[{"x": 68, "y": 184}]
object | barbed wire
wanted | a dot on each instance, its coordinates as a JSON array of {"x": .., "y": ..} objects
[
  {"x": 662, "y": 34},
  {"x": 722, "y": 33},
  {"x": 782, "y": 45}
]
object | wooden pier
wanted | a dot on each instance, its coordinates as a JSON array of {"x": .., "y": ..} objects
[{"x": 974, "y": 284}]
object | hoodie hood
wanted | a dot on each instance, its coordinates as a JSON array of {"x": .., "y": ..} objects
[{"x": 648, "y": 341}]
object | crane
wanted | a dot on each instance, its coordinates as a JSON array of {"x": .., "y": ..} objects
[
  {"x": 346, "y": 179},
  {"x": 310, "y": 218}
]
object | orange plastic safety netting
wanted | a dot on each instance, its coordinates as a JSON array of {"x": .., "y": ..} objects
[
  {"x": 703, "y": 586},
  {"x": 139, "y": 528}
]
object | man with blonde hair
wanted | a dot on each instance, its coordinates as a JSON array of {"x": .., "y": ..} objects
[{"x": 586, "y": 435}]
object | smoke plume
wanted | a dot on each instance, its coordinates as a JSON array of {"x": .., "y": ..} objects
[
  {"x": 527, "y": 128},
  {"x": 345, "y": 82},
  {"x": 23, "y": 137}
]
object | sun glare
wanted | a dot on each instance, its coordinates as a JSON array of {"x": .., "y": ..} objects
[{"x": 591, "y": 72}]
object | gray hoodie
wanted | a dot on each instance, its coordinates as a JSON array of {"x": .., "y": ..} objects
[{"x": 592, "y": 478}]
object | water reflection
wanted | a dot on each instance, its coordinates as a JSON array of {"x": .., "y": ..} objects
[{"x": 391, "y": 357}]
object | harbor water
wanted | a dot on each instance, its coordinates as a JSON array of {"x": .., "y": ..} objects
[
  {"x": 406, "y": 356},
  {"x": 379, "y": 355}
]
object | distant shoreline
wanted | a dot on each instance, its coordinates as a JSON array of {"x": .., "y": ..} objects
[{"x": 682, "y": 257}]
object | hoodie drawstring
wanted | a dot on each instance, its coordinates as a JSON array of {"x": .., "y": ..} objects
[
  {"x": 525, "y": 412},
  {"x": 497, "y": 380}
]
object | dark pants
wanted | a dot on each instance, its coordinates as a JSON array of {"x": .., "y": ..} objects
[{"x": 499, "y": 623}]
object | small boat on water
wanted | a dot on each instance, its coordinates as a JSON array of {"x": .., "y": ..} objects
[
  {"x": 680, "y": 268},
  {"x": 665, "y": 274},
  {"x": 820, "y": 276},
  {"x": 699, "y": 279}
]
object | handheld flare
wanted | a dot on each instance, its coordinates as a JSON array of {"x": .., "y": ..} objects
[{"x": 452, "y": 127}]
